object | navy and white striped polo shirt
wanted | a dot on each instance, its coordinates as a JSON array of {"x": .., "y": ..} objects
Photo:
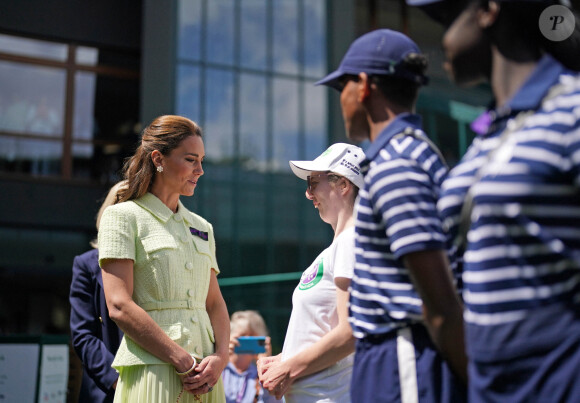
[
  {"x": 396, "y": 214},
  {"x": 522, "y": 258}
]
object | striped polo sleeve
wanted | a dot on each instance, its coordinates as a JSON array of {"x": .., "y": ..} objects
[{"x": 402, "y": 192}]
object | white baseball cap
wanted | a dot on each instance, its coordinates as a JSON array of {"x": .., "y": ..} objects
[{"x": 341, "y": 158}]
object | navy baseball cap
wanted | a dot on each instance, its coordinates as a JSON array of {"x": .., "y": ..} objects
[
  {"x": 378, "y": 52},
  {"x": 445, "y": 11}
]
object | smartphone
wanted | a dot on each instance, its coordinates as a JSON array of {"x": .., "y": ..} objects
[{"x": 251, "y": 345}]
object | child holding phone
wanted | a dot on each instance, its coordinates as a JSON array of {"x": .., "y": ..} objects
[{"x": 249, "y": 337}]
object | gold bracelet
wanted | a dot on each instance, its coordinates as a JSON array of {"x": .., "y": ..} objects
[{"x": 189, "y": 370}]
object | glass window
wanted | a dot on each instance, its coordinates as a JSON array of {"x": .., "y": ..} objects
[
  {"x": 32, "y": 156},
  {"x": 287, "y": 195},
  {"x": 253, "y": 121},
  {"x": 87, "y": 56},
  {"x": 188, "y": 92},
  {"x": 189, "y": 29},
  {"x": 84, "y": 126},
  {"x": 251, "y": 85},
  {"x": 286, "y": 34},
  {"x": 218, "y": 184},
  {"x": 219, "y": 115},
  {"x": 314, "y": 38},
  {"x": 220, "y": 32},
  {"x": 105, "y": 125},
  {"x": 254, "y": 34},
  {"x": 31, "y": 107},
  {"x": 252, "y": 221},
  {"x": 36, "y": 128},
  {"x": 32, "y": 98},
  {"x": 84, "y": 123},
  {"x": 33, "y": 48},
  {"x": 116, "y": 112},
  {"x": 286, "y": 123},
  {"x": 315, "y": 109}
]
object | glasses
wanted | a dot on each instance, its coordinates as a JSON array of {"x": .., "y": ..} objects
[
  {"x": 311, "y": 185},
  {"x": 343, "y": 81}
]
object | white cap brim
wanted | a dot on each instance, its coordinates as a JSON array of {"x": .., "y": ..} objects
[
  {"x": 302, "y": 169},
  {"x": 340, "y": 158}
]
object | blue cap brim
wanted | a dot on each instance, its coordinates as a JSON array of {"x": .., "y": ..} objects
[
  {"x": 419, "y": 3},
  {"x": 331, "y": 80},
  {"x": 441, "y": 11}
]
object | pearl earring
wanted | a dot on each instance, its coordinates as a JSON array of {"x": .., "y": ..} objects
[{"x": 159, "y": 169}]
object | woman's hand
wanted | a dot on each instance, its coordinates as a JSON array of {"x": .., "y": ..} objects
[
  {"x": 264, "y": 363},
  {"x": 233, "y": 343},
  {"x": 275, "y": 377},
  {"x": 205, "y": 375}
]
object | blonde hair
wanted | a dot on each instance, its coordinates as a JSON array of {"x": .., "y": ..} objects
[
  {"x": 250, "y": 321},
  {"x": 112, "y": 198}
]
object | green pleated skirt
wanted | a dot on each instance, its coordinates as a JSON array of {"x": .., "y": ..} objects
[{"x": 159, "y": 384}]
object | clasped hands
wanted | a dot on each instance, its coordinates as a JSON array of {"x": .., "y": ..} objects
[
  {"x": 274, "y": 375},
  {"x": 202, "y": 376}
]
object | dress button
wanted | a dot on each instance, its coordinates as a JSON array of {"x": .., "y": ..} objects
[
  {"x": 191, "y": 292},
  {"x": 189, "y": 265},
  {"x": 177, "y": 217},
  {"x": 194, "y": 319},
  {"x": 198, "y": 349},
  {"x": 183, "y": 239}
]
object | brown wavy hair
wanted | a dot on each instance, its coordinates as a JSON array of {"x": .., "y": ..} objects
[{"x": 164, "y": 134}]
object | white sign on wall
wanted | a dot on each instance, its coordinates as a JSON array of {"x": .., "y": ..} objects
[
  {"x": 18, "y": 372},
  {"x": 53, "y": 374}
]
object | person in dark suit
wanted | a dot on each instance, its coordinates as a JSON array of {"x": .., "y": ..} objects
[{"x": 95, "y": 336}]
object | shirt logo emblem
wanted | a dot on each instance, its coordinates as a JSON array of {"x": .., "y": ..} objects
[{"x": 312, "y": 276}]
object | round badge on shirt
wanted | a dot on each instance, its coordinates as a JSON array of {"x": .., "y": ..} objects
[{"x": 312, "y": 276}]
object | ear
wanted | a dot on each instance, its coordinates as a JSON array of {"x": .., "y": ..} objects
[
  {"x": 364, "y": 87},
  {"x": 343, "y": 185},
  {"x": 486, "y": 18},
  {"x": 156, "y": 157}
]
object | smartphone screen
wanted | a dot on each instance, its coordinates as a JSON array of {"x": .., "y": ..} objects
[{"x": 251, "y": 345}]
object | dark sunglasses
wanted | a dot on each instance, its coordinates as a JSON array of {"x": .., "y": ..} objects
[{"x": 343, "y": 81}]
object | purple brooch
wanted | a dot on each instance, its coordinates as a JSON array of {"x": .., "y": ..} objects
[{"x": 196, "y": 232}]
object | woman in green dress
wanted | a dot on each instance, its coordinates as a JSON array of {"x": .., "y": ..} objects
[{"x": 160, "y": 274}]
